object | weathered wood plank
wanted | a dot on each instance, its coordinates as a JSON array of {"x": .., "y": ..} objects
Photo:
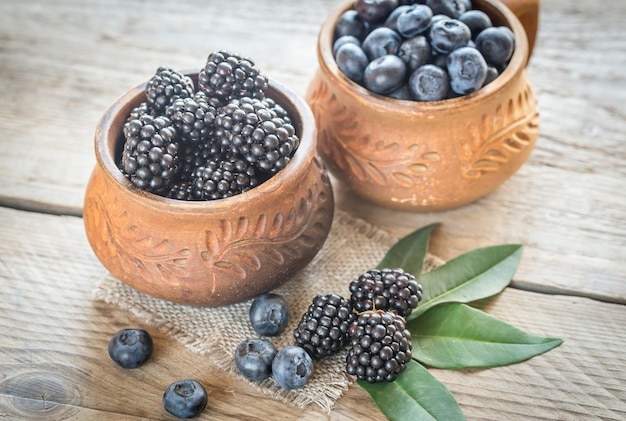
[{"x": 53, "y": 339}]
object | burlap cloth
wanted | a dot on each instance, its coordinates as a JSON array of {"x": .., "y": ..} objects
[{"x": 353, "y": 246}]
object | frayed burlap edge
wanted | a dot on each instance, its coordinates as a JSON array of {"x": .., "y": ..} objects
[{"x": 353, "y": 246}]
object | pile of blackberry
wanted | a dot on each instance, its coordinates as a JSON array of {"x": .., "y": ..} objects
[
  {"x": 213, "y": 141},
  {"x": 372, "y": 322}
]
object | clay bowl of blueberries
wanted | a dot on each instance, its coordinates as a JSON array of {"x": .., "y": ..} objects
[
  {"x": 425, "y": 106},
  {"x": 208, "y": 188}
]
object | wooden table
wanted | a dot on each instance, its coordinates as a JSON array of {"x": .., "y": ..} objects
[{"x": 63, "y": 63}]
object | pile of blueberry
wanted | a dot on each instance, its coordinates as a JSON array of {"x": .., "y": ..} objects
[
  {"x": 131, "y": 348},
  {"x": 422, "y": 50}
]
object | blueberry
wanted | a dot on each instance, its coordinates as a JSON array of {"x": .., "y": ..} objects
[
  {"x": 476, "y": 21},
  {"x": 374, "y": 11},
  {"x": 492, "y": 74},
  {"x": 269, "y": 314},
  {"x": 253, "y": 358},
  {"x": 414, "y": 21},
  {"x": 346, "y": 39},
  {"x": 496, "y": 45},
  {"x": 349, "y": 23},
  {"x": 403, "y": 92},
  {"x": 415, "y": 52},
  {"x": 352, "y": 61},
  {"x": 447, "y": 35},
  {"x": 467, "y": 69},
  {"x": 451, "y": 8},
  {"x": 429, "y": 83},
  {"x": 185, "y": 398},
  {"x": 381, "y": 41},
  {"x": 292, "y": 367},
  {"x": 392, "y": 20},
  {"x": 130, "y": 348},
  {"x": 385, "y": 74}
]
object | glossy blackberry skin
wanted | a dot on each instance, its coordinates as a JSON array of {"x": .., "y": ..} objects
[
  {"x": 166, "y": 86},
  {"x": 150, "y": 154},
  {"x": 185, "y": 398},
  {"x": 218, "y": 180},
  {"x": 229, "y": 76},
  {"x": 380, "y": 347},
  {"x": 130, "y": 348},
  {"x": 323, "y": 328},
  {"x": 255, "y": 131},
  {"x": 385, "y": 289},
  {"x": 193, "y": 117}
]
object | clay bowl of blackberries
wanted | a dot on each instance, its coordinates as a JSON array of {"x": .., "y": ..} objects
[
  {"x": 425, "y": 106},
  {"x": 208, "y": 188}
]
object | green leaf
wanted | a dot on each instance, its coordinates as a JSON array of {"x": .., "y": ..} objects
[
  {"x": 474, "y": 275},
  {"x": 458, "y": 336},
  {"x": 415, "y": 395},
  {"x": 409, "y": 252}
]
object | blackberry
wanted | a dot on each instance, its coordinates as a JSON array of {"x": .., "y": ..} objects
[
  {"x": 181, "y": 190},
  {"x": 166, "y": 86},
  {"x": 138, "y": 111},
  {"x": 254, "y": 130},
  {"x": 193, "y": 116},
  {"x": 150, "y": 155},
  {"x": 380, "y": 347},
  {"x": 218, "y": 180},
  {"x": 229, "y": 76},
  {"x": 323, "y": 329},
  {"x": 385, "y": 289}
]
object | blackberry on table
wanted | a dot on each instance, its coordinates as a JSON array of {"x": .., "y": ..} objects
[
  {"x": 385, "y": 289},
  {"x": 166, "y": 86},
  {"x": 193, "y": 116},
  {"x": 150, "y": 155},
  {"x": 229, "y": 76},
  {"x": 323, "y": 329},
  {"x": 380, "y": 347}
]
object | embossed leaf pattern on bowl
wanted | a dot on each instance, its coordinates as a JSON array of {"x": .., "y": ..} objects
[
  {"x": 496, "y": 137},
  {"x": 367, "y": 158}
]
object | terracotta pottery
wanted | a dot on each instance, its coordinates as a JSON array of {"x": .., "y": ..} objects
[
  {"x": 427, "y": 156},
  {"x": 215, "y": 252}
]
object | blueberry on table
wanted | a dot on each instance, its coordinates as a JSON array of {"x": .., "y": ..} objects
[
  {"x": 429, "y": 83},
  {"x": 130, "y": 348},
  {"x": 496, "y": 44},
  {"x": 269, "y": 314},
  {"x": 385, "y": 74},
  {"x": 352, "y": 61},
  {"x": 292, "y": 367},
  {"x": 185, "y": 398},
  {"x": 467, "y": 69},
  {"x": 380, "y": 42},
  {"x": 253, "y": 358},
  {"x": 446, "y": 35}
]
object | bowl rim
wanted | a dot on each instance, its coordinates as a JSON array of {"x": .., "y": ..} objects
[
  {"x": 106, "y": 140},
  {"x": 517, "y": 63}
]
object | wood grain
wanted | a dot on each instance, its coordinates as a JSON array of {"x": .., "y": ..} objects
[{"x": 54, "y": 363}]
